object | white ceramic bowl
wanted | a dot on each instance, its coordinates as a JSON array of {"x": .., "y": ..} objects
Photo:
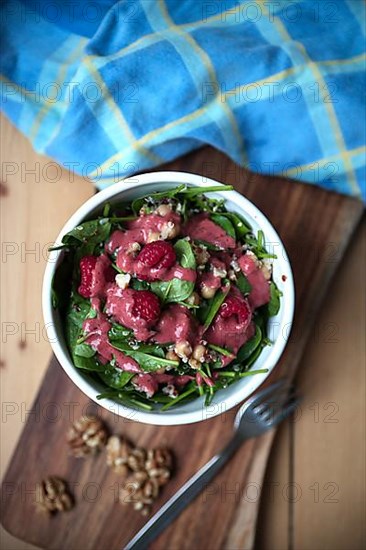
[{"x": 279, "y": 327}]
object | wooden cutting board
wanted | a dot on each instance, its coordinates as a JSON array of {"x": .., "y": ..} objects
[{"x": 315, "y": 227}]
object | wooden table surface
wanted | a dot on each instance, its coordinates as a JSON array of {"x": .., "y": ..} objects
[{"x": 323, "y": 467}]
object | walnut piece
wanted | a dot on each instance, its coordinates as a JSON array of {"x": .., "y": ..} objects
[
  {"x": 86, "y": 436},
  {"x": 159, "y": 465},
  {"x": 118, "y": 453},
  {"x": 143, "y": 487},
  {"x": 52, "y": 496},
  {"x": 136, "y": 460}
]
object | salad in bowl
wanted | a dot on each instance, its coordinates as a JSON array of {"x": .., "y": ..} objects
[{"x": 166, "y": 298}]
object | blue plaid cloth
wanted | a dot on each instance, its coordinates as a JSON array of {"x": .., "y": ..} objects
[{"x": 108, "y": 88}]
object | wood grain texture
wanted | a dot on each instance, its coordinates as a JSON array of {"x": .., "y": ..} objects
[
  {"x": 330, "y": 473},
  {"x": 309, "y": 228}
]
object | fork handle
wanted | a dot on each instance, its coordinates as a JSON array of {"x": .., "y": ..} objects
[{"x": 188, "y": 492}]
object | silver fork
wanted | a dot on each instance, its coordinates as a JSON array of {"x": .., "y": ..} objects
[{"x": 263, "y": 411}]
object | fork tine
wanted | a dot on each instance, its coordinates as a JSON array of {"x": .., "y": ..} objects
[
  {"x": 286, "y": 411},
  {"x": 259, "y": 409},
  {"x": 280, "y": 397},
  {"x": 274, "y": 402},
  {"x": 266, "y": 392}
]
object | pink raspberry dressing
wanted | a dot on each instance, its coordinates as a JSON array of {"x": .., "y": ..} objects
[
  {"x": 259, "y": 295},
  {"x": 120, "y": 305},
  {"x": 201, "y": 228},
  {"x": 98, "y": 340}
]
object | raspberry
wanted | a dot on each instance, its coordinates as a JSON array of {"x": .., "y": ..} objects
[
  {"x": 87, "y": 266},
  {"x": 146, "y": 305},
  {"x": 157, "y": 255},
  {"x": 234, "y": 306}
]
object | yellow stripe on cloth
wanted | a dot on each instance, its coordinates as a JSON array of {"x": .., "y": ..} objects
[
  {"x": 322, "y": 162},
  {"x": 207, "y": 63},
  {"x": 349, "y": 61},
  {"x": 116, "y": 111},
  {"x": 351, "y": 177},
  {"x": 59, "y": 80},
  {"x": 196, "y": 114},
  {"x": 154, "y": 37},
  {"x": 238, "y": 89}
]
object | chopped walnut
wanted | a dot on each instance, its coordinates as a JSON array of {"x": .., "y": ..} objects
[
  {"x": 143, "y": 487},
  {"x": 140, "y": 491},
  {"x": 52, "y": 496},
  {"x": 207, "y": 292},
  {"x": 219, "y": 272},
  {"x": 170, "y": 390},
  {"x": 159, "y": 464},
  {"x": 199, "y": 352},
  {"x": 202, "y": 255},
  {"x": 153, "y": 236},
  {"x": 193, "y": 299},
  {"x": 169, "y": 230},
  {"x": 86, "y": 436},
  {"x": 133, "y": 248},
  {"x": 123, "y": 280},
  {"x": 234, "y": 264},
  {"x": 118, "y": 453},
  {"x": 194, "y": 363},
  {"x": 136, "y": 459},
  {"x": 183, "y": 349},
  {"x": 254, "y": 258},
  {"x": 164, "y": 209},
  {"x": 266, "y": 269}
]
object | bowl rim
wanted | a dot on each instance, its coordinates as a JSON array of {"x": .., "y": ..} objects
[{"x": 174, "y": 417}]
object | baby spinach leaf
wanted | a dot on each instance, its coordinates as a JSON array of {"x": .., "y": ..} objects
[
  {"x": 136, "y": 284},
  {"x": 274, "y": 302},
  {"x": 177, "y": 290},
  {"x": 87, "y": 363},
  {"x": 88, "y": 235},
  {"x": 147, "y": 361},
  {"x": 78, "y": 311},
  {"x": 115, "y": 378},
  {"x": 241, "y": 226},
  {"x": 126, "y": 346},
  {"x": 250, "y": 346},
  {"x": 185, "y": 255},
  {"x": 84, "y": 350},
  {"x": 214, "y": 306},
  {"x": 224, "y": 223},
  {"x": 119, "y": 332},
  {"x": 243, "y": 284},
  {"x": 204, "y": 204}
]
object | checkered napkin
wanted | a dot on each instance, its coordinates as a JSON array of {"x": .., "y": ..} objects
[{"x": 108, "y": 88}]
